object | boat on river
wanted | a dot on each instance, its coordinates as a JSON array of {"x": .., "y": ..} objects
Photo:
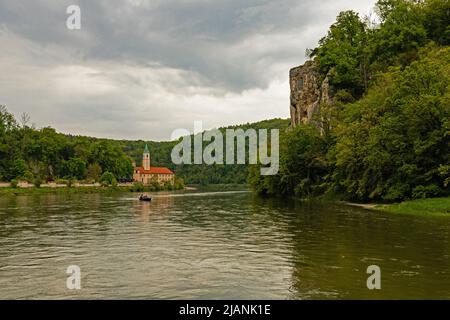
[{"x": 144, "y": 198}]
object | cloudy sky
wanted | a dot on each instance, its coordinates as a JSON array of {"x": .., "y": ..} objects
[{"x": 138, "y": 69}]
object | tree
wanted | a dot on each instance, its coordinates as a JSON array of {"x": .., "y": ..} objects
[
  {"x": 437, "y": 20},
  {"x": 24, "y": 119},
  {"x": 94, "y": 171},
  {"x": 303, "y": 165},
  {"x": 393, "y": 142},
  {"x": 74, "y": 168},
  {"x": 401, "y": 34},
  {"x": 341, "y": 54},
  {"x": 108, "y": 179}
]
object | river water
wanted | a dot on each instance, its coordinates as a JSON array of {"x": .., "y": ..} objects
[{"x": 229, "y": 245}]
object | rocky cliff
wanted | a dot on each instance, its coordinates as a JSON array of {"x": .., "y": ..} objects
[{"x": 308, "y": 92}]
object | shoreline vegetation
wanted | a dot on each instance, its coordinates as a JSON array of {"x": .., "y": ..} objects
[
  {"x": 427, "y": 206},
  {"x": 97, "y": 188},
  {"x": 382, "y": 135},
  {"x": 419, "y": 207}
]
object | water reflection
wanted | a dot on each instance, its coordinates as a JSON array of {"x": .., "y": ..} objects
[{"x": 217, "y": 245}]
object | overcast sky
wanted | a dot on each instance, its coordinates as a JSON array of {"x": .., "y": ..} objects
[{"x": 138, "y": 69}]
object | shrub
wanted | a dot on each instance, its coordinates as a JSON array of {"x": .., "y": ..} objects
[
  {"x": 137, "y": 187},
  {"x": 179, "y": 184},
  {"x": 108, "y": 179},
  {"x": 70, "y": 182},
  {"x": 28, "y": 176},
  {"x": 421, "y": 192},
  {"x": 14, "y": 183},
  {"x": 37, "y": 182},
  {"x": 62, "y": 181},
  {"x": 168, "y": 186}
]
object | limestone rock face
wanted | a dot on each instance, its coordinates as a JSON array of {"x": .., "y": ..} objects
[{"x": 308, "y": 92}]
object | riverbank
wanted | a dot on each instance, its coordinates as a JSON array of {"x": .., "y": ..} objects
[
  {"x": 219, "y": 187},
  {"x": 429, "y": 206},
  {"x": 432, "y": 206},
  {"x": 48, "y": 190},
  {"x": 99, "y": 189}
]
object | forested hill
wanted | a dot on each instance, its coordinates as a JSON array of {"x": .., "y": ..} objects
[
  {"x": 31, "y": 154},
  {"x": 386, "y": 134},
  {"x": 200, "y": 174}
]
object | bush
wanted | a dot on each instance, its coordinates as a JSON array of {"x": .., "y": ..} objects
[
  {"x": 37, "y": 182},
  {"x": 14, "y": 183},
  {"x": 137, "y": 187},
  {"x": 168, "y": 186},
  {"x": 108, "y": 179},
  {"x": 70, "y": 182},
  {"x": 397, "y": 192},
  {"x": 179, "y": 184},
  {"x": 28, "y": 176},
  {"x": 421, "y": 192}
]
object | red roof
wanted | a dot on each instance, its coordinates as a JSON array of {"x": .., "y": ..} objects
[{"x": 154, "y": 170}]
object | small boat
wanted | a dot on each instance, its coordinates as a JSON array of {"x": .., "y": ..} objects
[{"x": 145, "y": 198}]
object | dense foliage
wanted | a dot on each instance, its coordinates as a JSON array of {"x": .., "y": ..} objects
[
  {"x": 201, "y": 174},
  {"x": 387, "y": 134},
  {"x": 30, "y": 154}
]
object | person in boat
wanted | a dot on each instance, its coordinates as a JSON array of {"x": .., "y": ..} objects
[{"x": 143, "y": 197}]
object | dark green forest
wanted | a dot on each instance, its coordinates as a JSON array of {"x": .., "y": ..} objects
[
  {"x": 386, "y": 137},
  {"x": 37, "y": 155}
]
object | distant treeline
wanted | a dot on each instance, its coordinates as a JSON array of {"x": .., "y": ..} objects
[
  {"x": 203, "y": 174},
  {"x": 31, "y": 154},
  {"x": 387, "y": 135}
]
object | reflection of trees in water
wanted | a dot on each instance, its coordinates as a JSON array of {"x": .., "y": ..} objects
[
  {"x": 159, "y": 207},
  {"x": 228, "y": 215},
  {"x": 332, "y": 248},
  {"x": 33, "y": 212},
  {"x": 325, "y": 249}
]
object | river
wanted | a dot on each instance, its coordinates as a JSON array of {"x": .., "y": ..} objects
[{"x": 226, "y": 245}]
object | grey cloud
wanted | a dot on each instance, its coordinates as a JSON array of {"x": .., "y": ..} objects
[
  {"x": 140, "y": 68},
  {"x": 200, "y": 36}
]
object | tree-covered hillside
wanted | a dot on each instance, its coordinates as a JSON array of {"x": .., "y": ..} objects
[
  {"x": 387, "y": 134},
  {"x": 31, "y": 154}
]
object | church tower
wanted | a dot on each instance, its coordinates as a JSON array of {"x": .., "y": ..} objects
[{"x": 146, "y": 158}]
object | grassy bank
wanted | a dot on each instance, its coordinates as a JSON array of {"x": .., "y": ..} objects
[
  {"x": 47, "y": 190},
  {"x": 91, "y": 189},
  {"x": 433, "y": 206}
]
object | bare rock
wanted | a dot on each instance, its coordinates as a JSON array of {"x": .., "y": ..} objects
[{"x": 308, "y": 92}]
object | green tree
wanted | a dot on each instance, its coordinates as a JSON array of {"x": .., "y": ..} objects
[
  {"x": 94, "y": 171},
  {"x": 341, "y": 55},
  {"x": 395, "y": 139},
  {"x": 74, "y": 168},
  {"x": 402, "y": 33},
  {"x": 437, "y": 20},
  {"x": 108, "y": 179}
]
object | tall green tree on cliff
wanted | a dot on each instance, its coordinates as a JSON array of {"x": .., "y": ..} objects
[{"x": 341, "y": 54}]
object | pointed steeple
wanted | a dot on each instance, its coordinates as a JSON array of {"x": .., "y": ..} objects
[{"x": 146, "y": 158}]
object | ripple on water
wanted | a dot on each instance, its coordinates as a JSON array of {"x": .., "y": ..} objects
[{"x": 214, "y": 245}]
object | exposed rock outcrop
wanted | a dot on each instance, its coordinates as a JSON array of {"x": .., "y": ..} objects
[{"x": 308, "y": 92}]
